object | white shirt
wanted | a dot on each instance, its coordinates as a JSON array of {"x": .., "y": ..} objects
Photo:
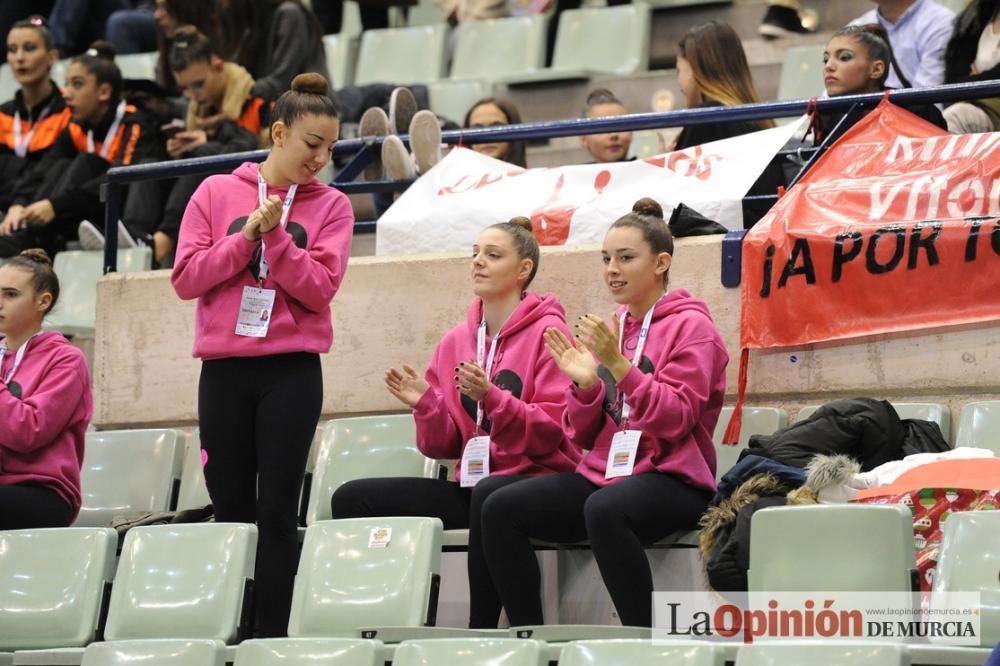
[{"x": 988, "y": 54}]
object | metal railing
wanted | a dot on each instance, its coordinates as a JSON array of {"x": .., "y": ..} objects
[{"x": 363, "y": 149}]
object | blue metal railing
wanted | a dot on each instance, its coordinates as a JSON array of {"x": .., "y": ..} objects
[{"x": 363, "y": 149}]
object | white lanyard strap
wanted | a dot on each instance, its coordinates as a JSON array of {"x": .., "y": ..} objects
[
  {"x": 639, "y": 346},
  {"x": 109, "y": 137},
  {"x": 485, "y": 361},
  {"x": 18, "y": 357},
  {"x": 21, "y": 145},
  {"x": 286, "y": 209}
]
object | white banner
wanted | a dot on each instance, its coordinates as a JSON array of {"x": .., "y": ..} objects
[{"x": 447, "y": 208}]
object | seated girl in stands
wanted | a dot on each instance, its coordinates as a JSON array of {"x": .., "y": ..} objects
[
  {"x": 494, "y": 112},
  {"x": 224, "y": 115},
  {"x": 44, "y": 398},
  {"x": 29, "y": 123},
  {"x": 170, "y": 15},
  {"x": 646, "y": 394},
  {"x": 492, "y": 397},
  {"x": 856, "y": 61},
  {"x": 973, "y": 54},
  {"x": 64, "y": 188}
]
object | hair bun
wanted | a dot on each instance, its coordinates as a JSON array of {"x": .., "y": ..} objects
[
  {"x": 37, "y": 255},
  {"x": 311, "y": 83},
  {"x": 102, "y": 49},
  {"x": 184, "y": 35},
  {"x": 523, "y": 222},
  {"x": 647, "y": 206}
]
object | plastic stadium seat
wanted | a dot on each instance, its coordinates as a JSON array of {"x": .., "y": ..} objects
[
  {"x": 193, "y": 493},
  {"x": 424, "y": 12},
  {"x": 163, "y": 652},
  {"x": 471, "y": 652},
  {"x": 310, "y": 652},
  {"x": 756, "y": 421},
  {"x": 840, "y": 548},
  {"x": 453, "y": 99},
  {"x": 348, "y": 579},
  {"x": 364, "y": 447},
  {"x": 78, "y": 272},
  {"x": 638, "y": 651},
  {"x": 979, "y": 425},
  {"x": 925, "y": 411},
  {"x": 138, "y": 65},
  {"x": 341, "y": 53},
  {"x": 129, "y": 471},
  {"x": 52, "y": 583},
  {"x": 969, "y": 562},
  {"x": 830, "y": 653},
  {"x": 402, "y": 55},
  {"x": 8, "y": 84},
  {"x": 498, "y": 48},
  {"x": 802, "y": 73}
]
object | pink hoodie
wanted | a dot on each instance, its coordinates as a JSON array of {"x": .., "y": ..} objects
[
  {"x": 307, "y": 260},
  {"x": 45, "y": 410},
  {"x": 521, "y": 413},
  {"x": 675, "y": 396}
]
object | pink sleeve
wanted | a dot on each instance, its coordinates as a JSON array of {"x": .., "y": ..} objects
[
  {"x": 40, "y": 418},
  {"x": 312, "y": 276},
  {"x": 670, "y": 402},
  {"x": 438, "y": 436},
  {"x": 202, "y": 265},
  {"x": 585, "y": 417},
  {"x": 532, "y": 427}
]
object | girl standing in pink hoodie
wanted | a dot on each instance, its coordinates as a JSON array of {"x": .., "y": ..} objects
[
  {"x": 645, "y": 399},
  {"x": 491, "y": 397},
  {"x": 45, "y": 402},
  {"x": 264, "y": 250}
]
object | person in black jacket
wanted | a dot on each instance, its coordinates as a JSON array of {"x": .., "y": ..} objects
[{"x": 973, "y": 54}]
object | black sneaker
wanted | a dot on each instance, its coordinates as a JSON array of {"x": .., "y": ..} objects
[{"x": 782, "y": 22}]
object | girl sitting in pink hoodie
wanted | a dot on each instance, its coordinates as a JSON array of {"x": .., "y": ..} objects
[
  {"x": 264, "y": 250},
  {"x": 45, "y": 402},
  {"x": 492, "y": 397},
  {"x": 646, "y": 396}
]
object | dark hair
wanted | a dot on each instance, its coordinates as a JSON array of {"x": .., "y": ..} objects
[
  {"x": 516, "y": 153},
  {"x": 190, "y": 47},
  {"x": 99, "y": 60},
  {"x": 964, "y": 42},
  {"x": 39, "y": 25},
  {"x": 248, "y": 29},
  {"x": 309, "y": 94},
  {"x": 874, "y": 40},
  {"x": 43, "y": 278},
  {"x": 520, "y": 231},
  {"x": 206, "y": 15},
  {"x": 719, "y": 65},
  {"x": 599, "y": 96},
  {"x": 647, "y": 217}
]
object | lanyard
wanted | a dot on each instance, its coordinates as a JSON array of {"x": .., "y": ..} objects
[
  {"x": 286, "y": 208},
  {"x": 18, "y": 357},
  {"x": 480, "y": 354},
  {"x": 21, "y": 146},
  {"x": 639, "y": 346},
  {"x": 109, "y": 138}
]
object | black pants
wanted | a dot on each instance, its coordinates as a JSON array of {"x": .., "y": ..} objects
[
  {"x": 258, "y": 416},
  {"x": 619, "y": 520},
  {"x": 457, "y": 507},
  {"x": 29, "y": 506}
]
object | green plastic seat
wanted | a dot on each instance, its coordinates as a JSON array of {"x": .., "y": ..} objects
[
  {"x": 496, "y": 49},
  {"x": 628, "y": 652},
  {"x": 163, "y": 652},
  {"x": 840, "y": 548},
  {"x": 341, "y": 53},
  {"x": 471, "y": 652},
  {"x": 402, "y": 55},
  {"x": 979, "y": 425},
  {"x": 126, "y": 472},
  {"x": 925, "y": 411},
  {"x": 756, "y": 421},
  {"x": 452, "y": 99},
  {"x": 138, "y": 65},
  {"x": 424, "y": 12},
  {"x": 51, "y": 585},
  {"x": 802, "y": 73},
  {"x": 8, "y": 84},
  {"x": 193, "y": 491},
  {"x": 364, "y": 447},
  {"x": 349, "y": 580},
  {"x": 789, "y": 653},
  {"x": 310, "y": 652},
  {"x": 78, "y": 272},
  {"x": 970, "y": 562}
]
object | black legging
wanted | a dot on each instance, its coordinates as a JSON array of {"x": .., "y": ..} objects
[
  {"x": 258, "y": 416},
  {"x": 618, "y": 520},
  {"x": 29, "y": 506},
  {"x": 458, "y": 508}
]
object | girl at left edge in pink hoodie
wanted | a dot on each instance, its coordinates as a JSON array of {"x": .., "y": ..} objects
[
  {"x": 264, "y": 250},
  {"x": 521, "y": 404},
  {"x": 45, "y": 402}
]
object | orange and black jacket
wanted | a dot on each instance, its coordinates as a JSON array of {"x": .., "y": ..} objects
[
  {"x": 136, "y": 140},
  {"x": 244, "y": 134},
  {"x": 46, "y": 129}
]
